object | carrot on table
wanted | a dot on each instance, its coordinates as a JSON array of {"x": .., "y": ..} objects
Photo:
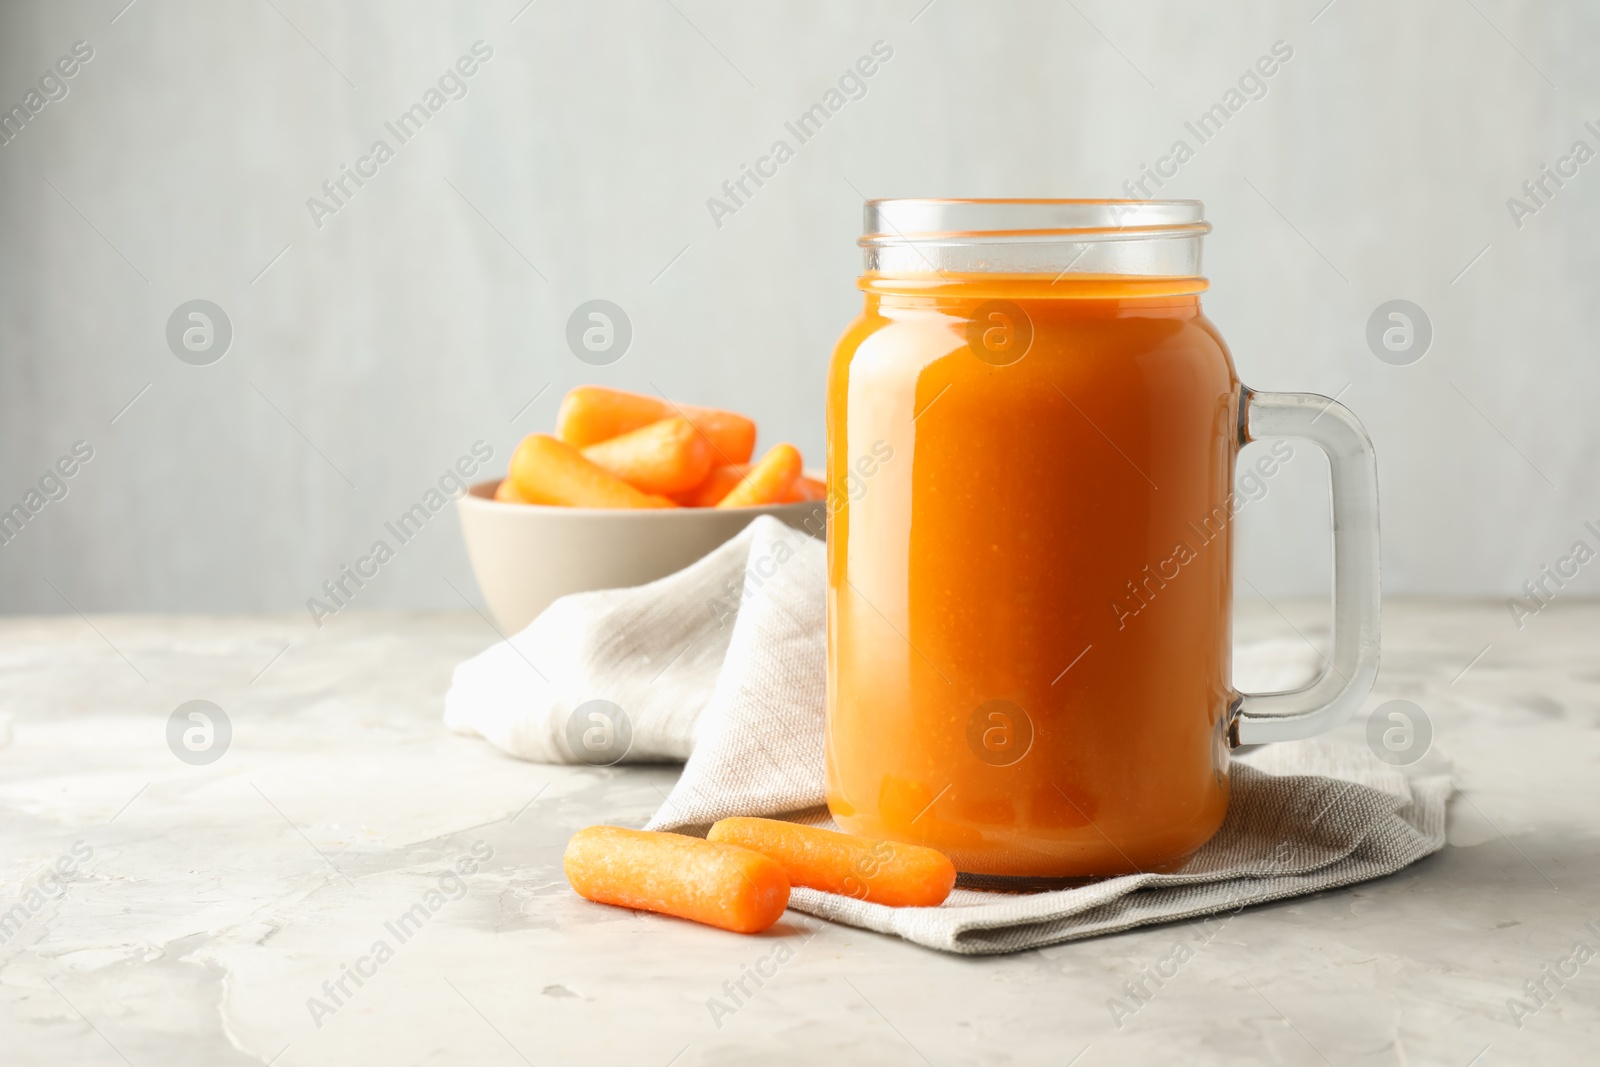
[
  {"x": 768, "y": 481},
  {"x": 669, "y": 456},
  {"x": 590, "y": 414},
  {"x": 717, "y": 884},
  {"x": 546, "y": 471},
  {"x": 884, "y": 872},
  {"x": 715, "y": 486}
]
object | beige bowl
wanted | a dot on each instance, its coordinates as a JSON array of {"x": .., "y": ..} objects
[{"x": 525, "y": 556}]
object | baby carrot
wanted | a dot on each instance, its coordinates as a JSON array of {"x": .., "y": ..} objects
[
  {"x": 506, "y": 492},
  {"x": 669, "y": 456},
  {"x": 884, "y": 872},
  {"x": 768, "y": 481},
  {"x": 548, "y": 472},
  {"x": 805, "y": 489},
  {"x": 715, "y": 486},
  {"x": 717, "y": 884},
  {"x": 593, "y": 413},
  {"x": 590, "y": 414},
  {"x": 731, "y": 435}
]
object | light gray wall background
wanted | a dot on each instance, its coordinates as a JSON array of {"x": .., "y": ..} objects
[{"x": 369, "y": 354}]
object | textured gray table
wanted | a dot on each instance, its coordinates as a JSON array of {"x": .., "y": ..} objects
[{"x": 212, "y": 912}]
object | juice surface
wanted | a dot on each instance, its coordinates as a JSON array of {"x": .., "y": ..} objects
[{"x": 1029, "y": 602}]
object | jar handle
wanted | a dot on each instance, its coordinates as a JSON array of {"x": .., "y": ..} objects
[{"x": 1344, "y": 685}]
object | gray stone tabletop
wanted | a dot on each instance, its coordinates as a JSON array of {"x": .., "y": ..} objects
[{"x": 348, "y": 883}]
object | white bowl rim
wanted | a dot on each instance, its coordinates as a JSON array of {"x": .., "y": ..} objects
[{"x": 473, "y": 498}]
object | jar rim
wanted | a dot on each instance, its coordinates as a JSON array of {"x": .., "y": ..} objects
[
  {"x": 945, "y": 221},
  {"x": 1148, "y": 238}
]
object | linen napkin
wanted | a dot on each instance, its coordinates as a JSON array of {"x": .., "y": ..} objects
[{"x": 723, "y": 665}]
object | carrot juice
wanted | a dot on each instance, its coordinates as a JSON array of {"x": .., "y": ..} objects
[{"x": 1029, "y": 580}]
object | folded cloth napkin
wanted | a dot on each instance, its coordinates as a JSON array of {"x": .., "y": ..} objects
[{"x": 723, "y": 665}]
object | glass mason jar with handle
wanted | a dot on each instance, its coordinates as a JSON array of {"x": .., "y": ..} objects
[{"x": 1032, "y": 431}]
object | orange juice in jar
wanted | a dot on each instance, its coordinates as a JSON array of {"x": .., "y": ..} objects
[{"x": 1032, "y": 430}]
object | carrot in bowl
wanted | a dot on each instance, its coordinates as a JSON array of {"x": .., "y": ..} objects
[
  {"x": 546, "y": 471},
  {"x": 884, "y": 872},
  {"x": 805, "y": 490},
  {"x": 732, "y": 436},
  {"x": 593, "y": 413},
  {"x": 590, "y": 414},
  {"x": 506, "y": 492},
  {"x": 708, "y": 882},
  {"x": 768, "y": 481},
  {"x": 669, "y": 456},
  {"x": 716, "y": 485}
]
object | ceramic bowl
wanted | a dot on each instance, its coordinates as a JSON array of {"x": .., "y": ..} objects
[{"x": 527, "y": 555}]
